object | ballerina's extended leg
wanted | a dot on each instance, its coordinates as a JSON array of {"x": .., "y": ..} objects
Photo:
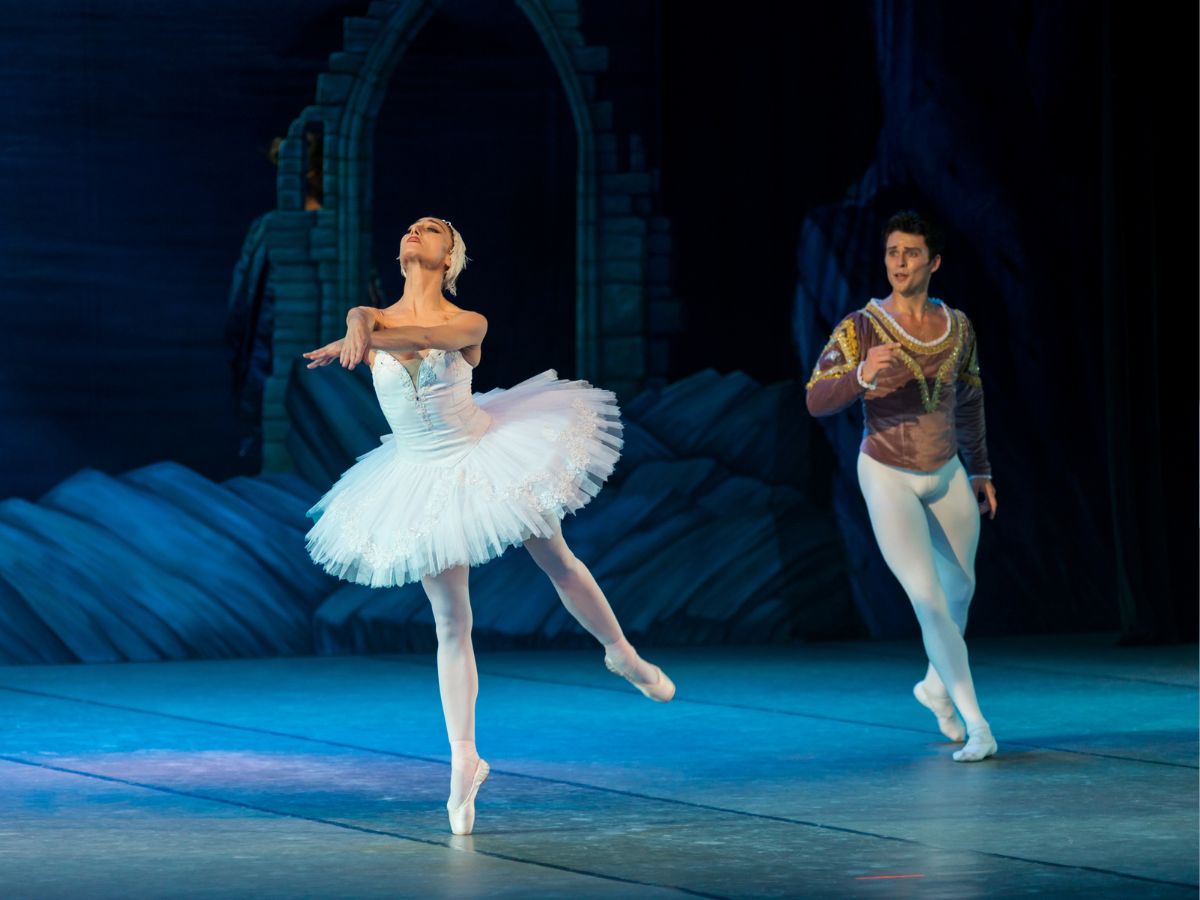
[
  {"x": 458, "y": 681},
  {"x": 584, "y": 600}
]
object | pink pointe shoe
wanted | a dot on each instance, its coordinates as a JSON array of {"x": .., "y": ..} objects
[
  {"x": 462, "y": 817},
  {"x": 662, "y": 689}
]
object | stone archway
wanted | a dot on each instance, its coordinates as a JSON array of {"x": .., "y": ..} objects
[{"x": 319, "y": 259}]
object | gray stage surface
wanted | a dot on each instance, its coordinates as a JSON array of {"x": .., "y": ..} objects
[{"x": 806, "y": 770}]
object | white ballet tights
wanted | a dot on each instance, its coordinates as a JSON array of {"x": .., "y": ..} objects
[
  {"x": 458, "y": 679},
  {"x": 927, "y": 527},
  {"x": 584, "y": 600}
]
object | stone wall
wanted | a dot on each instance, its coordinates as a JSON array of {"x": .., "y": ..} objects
[{"x": 318, "y": 258}]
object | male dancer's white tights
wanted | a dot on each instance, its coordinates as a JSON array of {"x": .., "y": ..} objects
[
  {"x": 458, "y": 679},
  {"x": 927, "y": 526}
]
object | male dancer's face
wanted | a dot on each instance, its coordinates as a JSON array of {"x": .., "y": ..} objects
[{"x": 909, "y": 267}]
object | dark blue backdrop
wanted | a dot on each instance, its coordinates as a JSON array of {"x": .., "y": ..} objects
[{"x": 132, "y": 160}]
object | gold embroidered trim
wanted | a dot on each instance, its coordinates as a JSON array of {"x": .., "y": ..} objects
[
  {"x": 846, "y": 340},
  {"x": 970, "y": 372},
  {"x": 929, "y": 397},
  {"x": 880, "y": 318}
]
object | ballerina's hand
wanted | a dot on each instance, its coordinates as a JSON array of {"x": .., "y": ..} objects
[
  {"x": 357, "y": 342},
  {"x": 324, "y": 355}
]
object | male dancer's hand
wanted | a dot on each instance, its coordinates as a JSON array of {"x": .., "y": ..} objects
[
  {"x": 880, "y": 358},
  {"x": 988, "y": 503}
]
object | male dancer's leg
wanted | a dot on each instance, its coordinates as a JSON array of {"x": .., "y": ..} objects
[
  {"x": 899, "y": 521},
  {"x": 458, "y": 679},
  {"x": 953, "y": 518}
]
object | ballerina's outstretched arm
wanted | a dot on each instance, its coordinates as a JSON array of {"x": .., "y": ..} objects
[
  {"x": 364, "y": 334},
  {"x": 349, "y": 350},
  {"x": 462, "y": 331}
]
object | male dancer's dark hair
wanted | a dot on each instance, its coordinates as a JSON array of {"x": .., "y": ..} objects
[{"x": 912, "y": 222}]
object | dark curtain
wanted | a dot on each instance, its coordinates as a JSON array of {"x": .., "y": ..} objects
[
  {"x": 1058, "y": 145},
  {"x": 1148, "y": 307}
]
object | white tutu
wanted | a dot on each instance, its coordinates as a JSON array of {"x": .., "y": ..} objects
[{"x": 401, "y": 513}]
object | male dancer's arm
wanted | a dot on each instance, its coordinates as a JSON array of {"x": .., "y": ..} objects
[
  {"x": 847, "y": 367},
  {"x": 971, "y": 431},
  {"x": 835, "y": 382}
]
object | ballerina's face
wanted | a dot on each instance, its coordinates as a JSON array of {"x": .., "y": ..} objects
[{"x": 428, "y": 242}]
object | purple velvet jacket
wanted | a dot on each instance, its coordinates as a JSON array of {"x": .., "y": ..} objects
[{"x": 926, "y": 410}]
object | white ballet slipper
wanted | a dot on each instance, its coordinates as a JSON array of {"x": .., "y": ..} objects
[{"x": 980, "y": 745}]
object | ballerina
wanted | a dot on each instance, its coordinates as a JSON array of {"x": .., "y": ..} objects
[
  {"x": 463, "y": 477},
  {"x": 912, "y": 361}
]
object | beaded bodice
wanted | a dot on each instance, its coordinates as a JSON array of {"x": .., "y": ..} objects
[
  {"x": 929, "y": 366},
  {"x": 919, "y": 411},
  {"x": 434, "y": 417}
]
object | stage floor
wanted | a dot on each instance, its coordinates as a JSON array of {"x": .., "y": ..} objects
[{"x": 806, "y": 771}]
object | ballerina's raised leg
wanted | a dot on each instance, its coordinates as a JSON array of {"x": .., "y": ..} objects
[
  {"x": 458, "y": 682},
  {"x": 584, "y": 600}
]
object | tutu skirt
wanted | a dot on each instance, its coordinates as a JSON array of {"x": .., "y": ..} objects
[{"x": 390, "y": 520}]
